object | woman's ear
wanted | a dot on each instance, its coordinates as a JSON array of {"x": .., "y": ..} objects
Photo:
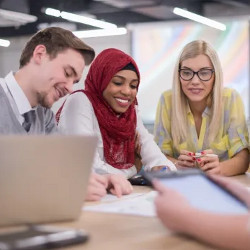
[{"x": 39, "y": 53}]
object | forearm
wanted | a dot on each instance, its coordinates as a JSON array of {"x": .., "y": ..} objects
[
  {"x": 236, "y": 165},
  {"x": 172, "y": 159},
  {"x": 102, "y": 167},
  {"x": 219, "y": 230},
  {"x": 150, "y": 152}
]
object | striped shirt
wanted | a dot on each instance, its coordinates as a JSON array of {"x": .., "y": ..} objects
[{"x": 232, "y": 136}]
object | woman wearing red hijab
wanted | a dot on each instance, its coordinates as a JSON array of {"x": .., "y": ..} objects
[{"x": 107, "y": 107}]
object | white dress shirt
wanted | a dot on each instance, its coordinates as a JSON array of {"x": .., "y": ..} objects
[
  {"x": 78, "y": 117},
  {"x": 18, "y": 100}
]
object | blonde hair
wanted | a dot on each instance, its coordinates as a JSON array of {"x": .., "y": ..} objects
[{"x": 179, "y": 122}]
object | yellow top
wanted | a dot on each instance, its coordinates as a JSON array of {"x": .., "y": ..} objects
[{"x": 231, "y": 139}]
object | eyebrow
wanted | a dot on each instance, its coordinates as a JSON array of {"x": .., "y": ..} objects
[
  {"x": 124, "y": 78},
  {"x": 184, "y": 67}
]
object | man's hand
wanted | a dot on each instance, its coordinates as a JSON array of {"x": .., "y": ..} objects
[
  {"x": 97, "y": 187},
  {"x": 100, "y": 184},
  {"x": 118, "y": 185}
]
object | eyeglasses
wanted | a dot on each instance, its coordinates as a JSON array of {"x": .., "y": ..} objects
[{"x": 203, "y": 74}]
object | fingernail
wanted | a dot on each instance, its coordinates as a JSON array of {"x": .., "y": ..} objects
[
  {"x": 202, "y": 152},
  {"x": 199, "y": 160},
  {"x": 193, "y": 154},
  {"x": 190, "y": 154},
  {"x": 193, "y": 158}
]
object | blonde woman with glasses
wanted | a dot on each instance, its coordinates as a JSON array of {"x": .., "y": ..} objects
[{"x": 199, "y": 123}]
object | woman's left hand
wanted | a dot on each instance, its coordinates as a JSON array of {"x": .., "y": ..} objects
[
  {"x": 209, "y": 164},
  {"x": 97, "y": 187}
]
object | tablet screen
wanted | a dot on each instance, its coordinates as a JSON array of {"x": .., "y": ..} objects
[{"x": 202, "y": 193}]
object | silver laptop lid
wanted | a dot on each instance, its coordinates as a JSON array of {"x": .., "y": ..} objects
[{"x": 43, "y": 178}]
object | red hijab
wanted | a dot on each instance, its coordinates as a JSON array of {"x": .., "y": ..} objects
[{"x": 118, "y": 131}]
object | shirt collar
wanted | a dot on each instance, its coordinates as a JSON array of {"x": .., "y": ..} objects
[
  {"x": 17, "y": 93},
  {"x": 206, "y": 112}
]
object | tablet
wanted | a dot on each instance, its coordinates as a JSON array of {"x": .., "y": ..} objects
[{"x": 201, "y": 191}]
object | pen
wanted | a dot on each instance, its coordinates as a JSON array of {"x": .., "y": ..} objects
[{"x": 198, "y": 155}]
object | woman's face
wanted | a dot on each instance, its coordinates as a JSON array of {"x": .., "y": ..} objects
[
  {"x": 199, "y": 87},
  {"x": 121, "y": 90}
]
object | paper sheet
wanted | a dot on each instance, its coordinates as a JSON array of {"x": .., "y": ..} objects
[
  {"x": 111, "y": 197},
  {"x": 141, "y": 204}
]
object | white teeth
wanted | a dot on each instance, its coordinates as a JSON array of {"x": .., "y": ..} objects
[
  {"x": 195, "y": 91},
  {"x": 121, "y": 100}
]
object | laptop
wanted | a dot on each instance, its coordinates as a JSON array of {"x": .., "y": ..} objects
[{"x": 43, "y": 178}]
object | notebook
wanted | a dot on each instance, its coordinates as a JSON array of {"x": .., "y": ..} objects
[{"x": 43, "y": 178}]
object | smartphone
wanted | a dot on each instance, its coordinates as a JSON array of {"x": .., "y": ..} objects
[
  {"x": 201, "y": 191},
  {"x": 41, "y": 237},
  {"x": 138, "y": 180}
]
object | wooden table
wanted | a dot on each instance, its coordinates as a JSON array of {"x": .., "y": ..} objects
[{"x": 119, "y": 232}]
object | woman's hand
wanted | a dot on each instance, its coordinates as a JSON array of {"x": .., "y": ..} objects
[
  {"x": 97, "y": 187},
  {"x": 186, "y": 159},
  {"x": 118, "y": 185},
  {"x": 209, "y": 162}
]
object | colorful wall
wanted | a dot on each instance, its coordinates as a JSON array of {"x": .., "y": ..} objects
[{"x": 156, "y": 48}]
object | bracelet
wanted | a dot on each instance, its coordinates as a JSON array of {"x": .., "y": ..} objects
[{"x": 165, "y": 168}]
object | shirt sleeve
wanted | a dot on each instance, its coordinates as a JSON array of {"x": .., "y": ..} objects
[
  {"x": 162, "y": 125},
  {"x": 150, "y": 152},
  {"x": 238, "y": 137},
  {"x": 78, "y": 117}
]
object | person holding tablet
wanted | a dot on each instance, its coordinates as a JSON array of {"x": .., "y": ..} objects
[
  {"x": 107, "y": 107},
  {"x": 198, "y": 122},
  {"x": 231, "y": 231}
]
